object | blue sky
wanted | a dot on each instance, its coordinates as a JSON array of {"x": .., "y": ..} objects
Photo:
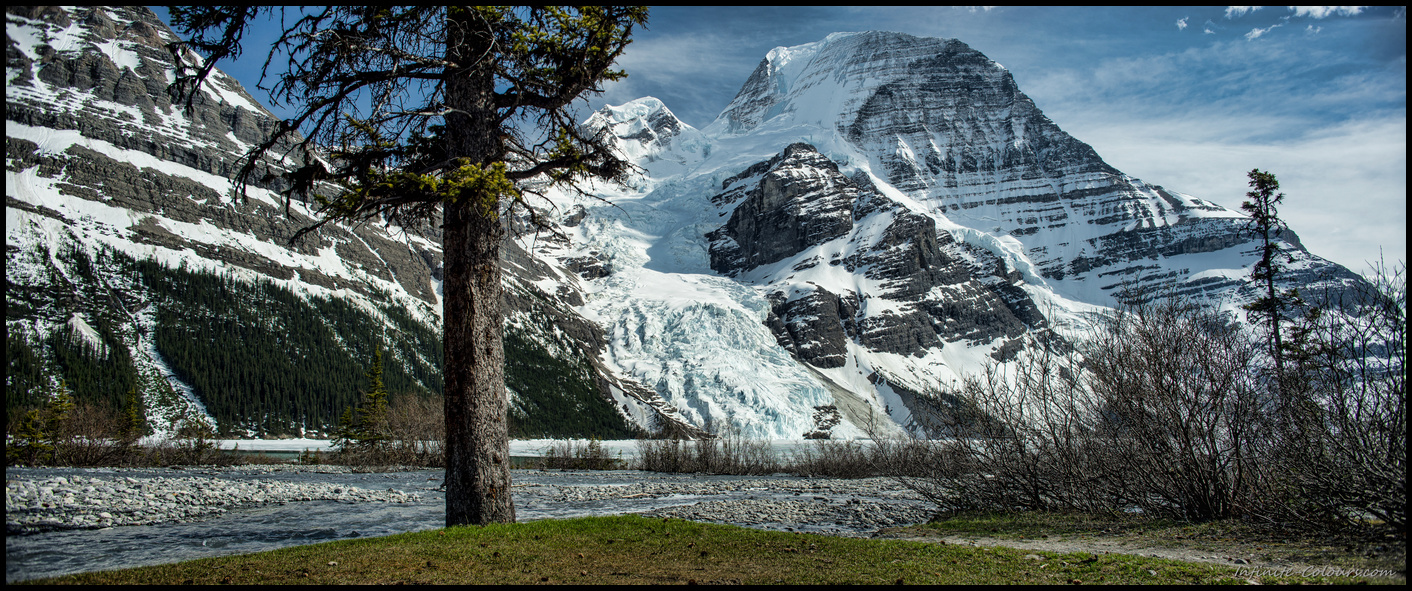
[{"x": 1190, "y": 98}]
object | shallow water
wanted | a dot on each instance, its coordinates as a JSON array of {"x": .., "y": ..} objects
[{"x": 260, "y": 528}]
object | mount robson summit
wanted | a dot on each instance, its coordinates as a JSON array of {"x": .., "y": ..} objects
[{"x": 873, "y": 217}]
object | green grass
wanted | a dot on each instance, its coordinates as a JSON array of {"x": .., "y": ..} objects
[
  {"x": 637, "y": 550},
  {"x": 1228, "y": 537}
]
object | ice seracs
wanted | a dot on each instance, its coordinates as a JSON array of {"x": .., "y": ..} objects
[
  {"x": 904, "y": 213},
  {"x": 100, "y": 161},
  {"x": 873, "y": 216}
]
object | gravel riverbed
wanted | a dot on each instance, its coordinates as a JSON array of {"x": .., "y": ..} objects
[
  {"x": 98, "y": 501},
  {"x": 69, "y": 520},
  {"x": 35, "y": 502}
]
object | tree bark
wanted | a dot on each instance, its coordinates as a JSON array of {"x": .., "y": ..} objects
[{"x": 477, "y": 435}]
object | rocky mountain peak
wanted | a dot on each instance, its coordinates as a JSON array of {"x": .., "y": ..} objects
[
  {"x": 646, "y": 131},
  {"x": 826, "y": 82},
  {"x": 906, "y": 212},
  {"x": 947, "y": 126},
  {"x": 842, "y": 262}
]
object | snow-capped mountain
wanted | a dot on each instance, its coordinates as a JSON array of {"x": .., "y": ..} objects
[
  {"x": 874, "y": 216},
  {"x": 114, "y": 194}
]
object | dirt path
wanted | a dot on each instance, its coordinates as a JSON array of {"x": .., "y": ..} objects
[{"x": 1271, "y": 556}]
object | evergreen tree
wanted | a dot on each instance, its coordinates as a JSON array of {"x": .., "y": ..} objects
[
  {"x": 56, "y": 412},
  {"x": 1274, "y": 308},
  {"x": 42, "y": 430},
  {"x": 365, "y": 426},
  {"x": 31, "y": 444},
  {"x": 456, "y": 112},
  {"x": 1266, "y": 225},
  {"x": 132, "y": 425},
  {"x": 346, "y": 435},
  {"x": 372, "y": 415}
]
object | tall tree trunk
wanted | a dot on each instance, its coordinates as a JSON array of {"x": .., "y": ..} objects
[{"x": 477, "y": 435}]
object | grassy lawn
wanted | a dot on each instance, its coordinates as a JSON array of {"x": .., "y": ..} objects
[{"x": 636, "y": 550}]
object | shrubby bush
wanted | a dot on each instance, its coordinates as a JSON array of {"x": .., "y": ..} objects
[
  {"x": 1342, "y": 451},
  {"x": 411, "y": 431},
  {"x": 728, "y": 454},
  {"x": 1177, "y": 411},
  {"x": 566, "y": 455},
  {"x": 65, "y": 433}
]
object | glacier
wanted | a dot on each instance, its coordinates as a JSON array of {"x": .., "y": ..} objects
[
  {"x": 873, "y": 217},
  {"x": 937, "y": 130}
]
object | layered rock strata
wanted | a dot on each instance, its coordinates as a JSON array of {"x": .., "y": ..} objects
[{"x": 906, "y": 291}]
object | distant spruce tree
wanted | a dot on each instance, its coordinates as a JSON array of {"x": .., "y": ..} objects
[
  {"x": 426, "y": 113},
  {"x": 372, "y": 415},
  {"x": 1277, "y": 312},
  {"x": 364, "y": 427},
  {"x": 41, "y": 430},
  {"x": 131, "y": 425}
]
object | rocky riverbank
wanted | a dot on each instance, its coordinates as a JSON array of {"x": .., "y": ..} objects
[
  {"x": 67, "y": 518},
  {"x": 116, "y": 497},
  {"x": 106, "y": 500},
  {"x": 848, "y": 507}
]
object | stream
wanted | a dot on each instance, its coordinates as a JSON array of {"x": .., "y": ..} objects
[{"x": 818, "y": 505}]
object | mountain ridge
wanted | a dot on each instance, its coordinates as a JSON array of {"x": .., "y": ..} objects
[
  {"x": 872, "y": 218},
  {"x": 101, "y": 165},
  {"x": 975, "y": 193}
]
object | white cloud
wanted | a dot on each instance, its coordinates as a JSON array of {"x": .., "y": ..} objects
[
  {"x": 1324, "y": 11},
  {"x": 1313, "y": 30},
  {"x": 1197, "y": 120},
  {"x": 1236, "y": 11},
  {"x": 1345, "y": 184},
  {"x": 1257, "y": 32},
  {"x": 680, "y": 70},
  {"x": 1181, "y": 24}
]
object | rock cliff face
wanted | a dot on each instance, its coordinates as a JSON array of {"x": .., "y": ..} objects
[
  {"x": 98, "y": 159},
  {"x": 905, "y": 289},
  {"x": 87, "y": 113},
  {"x": 947, "y": 126},
  {"x": 894, "y": 213},
  {"x": 872, "y": 218}
]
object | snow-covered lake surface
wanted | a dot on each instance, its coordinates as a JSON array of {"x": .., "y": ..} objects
[{"x": 838, "y": 507}]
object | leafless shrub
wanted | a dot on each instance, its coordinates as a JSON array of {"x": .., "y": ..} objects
[
  {"x": 1171, "y": 409},
  {"x": 190, "y": 444},
  {"x": 903, "y": 458},
  {"x": 416, "y": 436},
  {"x": 88, "y": 437},
  {"x": 569, "y": 455},
  {"x": 1019, "y": 439},
  {"x": 665, "y": 455},
  {"x": 738, "y": 455},
  {"x": 1181, "y": 410},
  {"x": 836, "y": 459},
  {"x": 1158, "y": 410},
  {"x": 1343, "y": 452},
  {"x": 418, "y": 429},
  {"x": 728, "y": 454}
]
